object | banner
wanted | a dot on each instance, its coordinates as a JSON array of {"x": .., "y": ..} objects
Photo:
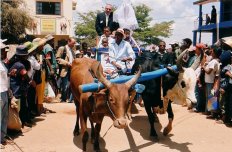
[{"x": 48, "y": 26}]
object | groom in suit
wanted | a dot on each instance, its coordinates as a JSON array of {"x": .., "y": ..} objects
[{"x": 105, "y": 19}]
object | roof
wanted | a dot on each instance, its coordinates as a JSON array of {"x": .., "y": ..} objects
[{"x": 201, "y": 2}]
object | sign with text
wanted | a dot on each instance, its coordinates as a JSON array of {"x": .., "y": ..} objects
[{"x": 48, "y": 26}]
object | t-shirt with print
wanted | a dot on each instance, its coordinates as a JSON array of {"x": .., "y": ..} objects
[{"x": 213, "y": 64}]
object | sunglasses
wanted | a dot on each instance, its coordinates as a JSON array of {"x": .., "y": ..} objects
[
  {"x": 162, "y": 45},
  {"x": 108, "y": 9}
]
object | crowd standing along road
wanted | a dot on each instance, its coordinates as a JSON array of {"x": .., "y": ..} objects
[{"x": 192, "y": 132}]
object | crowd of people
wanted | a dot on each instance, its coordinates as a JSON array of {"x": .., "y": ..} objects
[
  {"x": 213, "y": 77},
  {"x": 38, "y": 70}
]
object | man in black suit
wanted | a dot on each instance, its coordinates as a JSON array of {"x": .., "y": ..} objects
[
  {"x": 213, "y": 15},
  {"x": 105, "y": 19}
]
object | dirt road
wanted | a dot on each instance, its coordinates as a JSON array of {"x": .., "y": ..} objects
[{"x": 192, "y": 132}]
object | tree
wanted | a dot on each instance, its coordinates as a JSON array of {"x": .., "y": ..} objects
[
  {"x": 85, "y": 28},
  {"x": 150, "y": 34},
  {"x": 147, "y": 33},
  {"x": 14, "y": 20}
]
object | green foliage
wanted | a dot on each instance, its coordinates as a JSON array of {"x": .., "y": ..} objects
[
  {"x": 142, "y": 15},
  {"x": 150, "y": 34},
  {"x": 85, "y": 28},
  {"x": 14, "y": 20}
]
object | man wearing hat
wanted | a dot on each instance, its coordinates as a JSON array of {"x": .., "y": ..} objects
[
  {"x": 198, "y": 62},
  {"x": 35, "y": 74},
  {"x": 120, "y": 51},
  {"x": 51, "y": 63},
  {"x": 20, "y": 82},
  {"x": 4, "y": 86},
  {"x": 226, "y": 86}
]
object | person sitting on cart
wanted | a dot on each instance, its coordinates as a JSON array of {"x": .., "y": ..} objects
[{"x": 121, "y": 52}]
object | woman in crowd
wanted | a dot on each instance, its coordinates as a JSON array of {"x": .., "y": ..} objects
[{"x": 212, "y": 71}]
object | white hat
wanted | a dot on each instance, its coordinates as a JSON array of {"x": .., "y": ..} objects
[
  {"x": 173, "y": 42},
  {"x": 2, "y": 45},
  {"x": 49, "y": 37},
  {"x": 228, "y": 40}
]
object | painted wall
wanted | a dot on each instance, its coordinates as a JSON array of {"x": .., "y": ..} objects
[{"x": 53, "y": 20}]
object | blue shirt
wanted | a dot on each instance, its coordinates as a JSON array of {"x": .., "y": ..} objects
[{"x": 18, "y": 85}]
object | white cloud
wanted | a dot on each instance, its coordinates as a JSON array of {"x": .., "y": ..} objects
[{"x": 89, "y": 5}]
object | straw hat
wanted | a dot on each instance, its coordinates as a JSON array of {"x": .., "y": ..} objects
[
  {"x": 120, "y": 30},
  {"x": 49, "y": 37},
  {"x": 35, "y": 44},
  {"x": 30, "y": 46},
  {"x": 2, "y": 45},
  {"x": 228, "y": 41}
]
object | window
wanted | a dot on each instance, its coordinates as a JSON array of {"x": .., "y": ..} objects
[{"x": 48, "y": 8}]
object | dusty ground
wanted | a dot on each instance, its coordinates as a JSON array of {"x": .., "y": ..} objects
[{"x": 192, "y": 132}]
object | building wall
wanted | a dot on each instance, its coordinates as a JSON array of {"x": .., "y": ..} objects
[
  {"x": 41, "y": 21},
  {"x": 227, "y": 11}
]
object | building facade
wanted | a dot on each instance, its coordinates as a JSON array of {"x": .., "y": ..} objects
[
  {"x": 222, "y": 27},
  {"x": 51, "y": 17}
]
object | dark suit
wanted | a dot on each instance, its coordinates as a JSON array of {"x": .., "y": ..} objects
[{"x": 101, "y": 23}]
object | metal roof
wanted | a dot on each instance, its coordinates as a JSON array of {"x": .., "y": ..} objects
[{"x": 201, "y": 2}]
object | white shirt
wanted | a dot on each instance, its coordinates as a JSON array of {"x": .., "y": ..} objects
[
  {"x": 34, "y": 66},
  {"x": 4, "y": 79},
  {"x": 107, "y": 18},
  {"x": 119, "y": 52},
  {"x": 110, "y": 40},
  {"x": 213, "y": 64},
  {"x": 68, "y": 49}
]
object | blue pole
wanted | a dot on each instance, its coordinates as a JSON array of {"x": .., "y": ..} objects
[{"x": 92, "y": 87}]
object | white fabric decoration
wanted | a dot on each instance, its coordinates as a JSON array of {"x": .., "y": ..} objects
[{"x": 125, "y": 16}]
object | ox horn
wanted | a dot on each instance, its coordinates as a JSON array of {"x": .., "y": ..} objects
[
  {"x": 133, "y": 80},
  {"x": 180, "y": 60},
  {"x": 101, "y": 78}
]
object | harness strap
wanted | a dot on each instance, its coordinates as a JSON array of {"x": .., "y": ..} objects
[{"x": 108, "y": 105}]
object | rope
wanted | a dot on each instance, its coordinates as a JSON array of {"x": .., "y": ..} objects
[
  {"x": 107, "y": 102},
  {"x": 107, "y": 131},
  {"x": 14, "y": 143}
]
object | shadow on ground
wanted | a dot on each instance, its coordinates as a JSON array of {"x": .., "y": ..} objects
[
  {"x": 77, "y": 140},
  {"x": 141, "y": 125},
  {"x": 13, "y": 134}
]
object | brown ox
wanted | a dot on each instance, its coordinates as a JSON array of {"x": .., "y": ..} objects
[{"x": 111, "y": 101}]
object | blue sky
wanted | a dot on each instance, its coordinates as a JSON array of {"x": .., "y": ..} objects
[{"x": 183, "y": 12}]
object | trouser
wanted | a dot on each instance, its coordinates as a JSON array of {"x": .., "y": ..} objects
[
  {"x": 228, "y": 104},
  {"x": 31, "y": 99},
  {"x": 40, "y": 88},
  {"x": 64, "y": 88},
  {"x": 200, "y": 96},
  {"x": 4, "y": 113},
  {"x": 24, "y": 112}
]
